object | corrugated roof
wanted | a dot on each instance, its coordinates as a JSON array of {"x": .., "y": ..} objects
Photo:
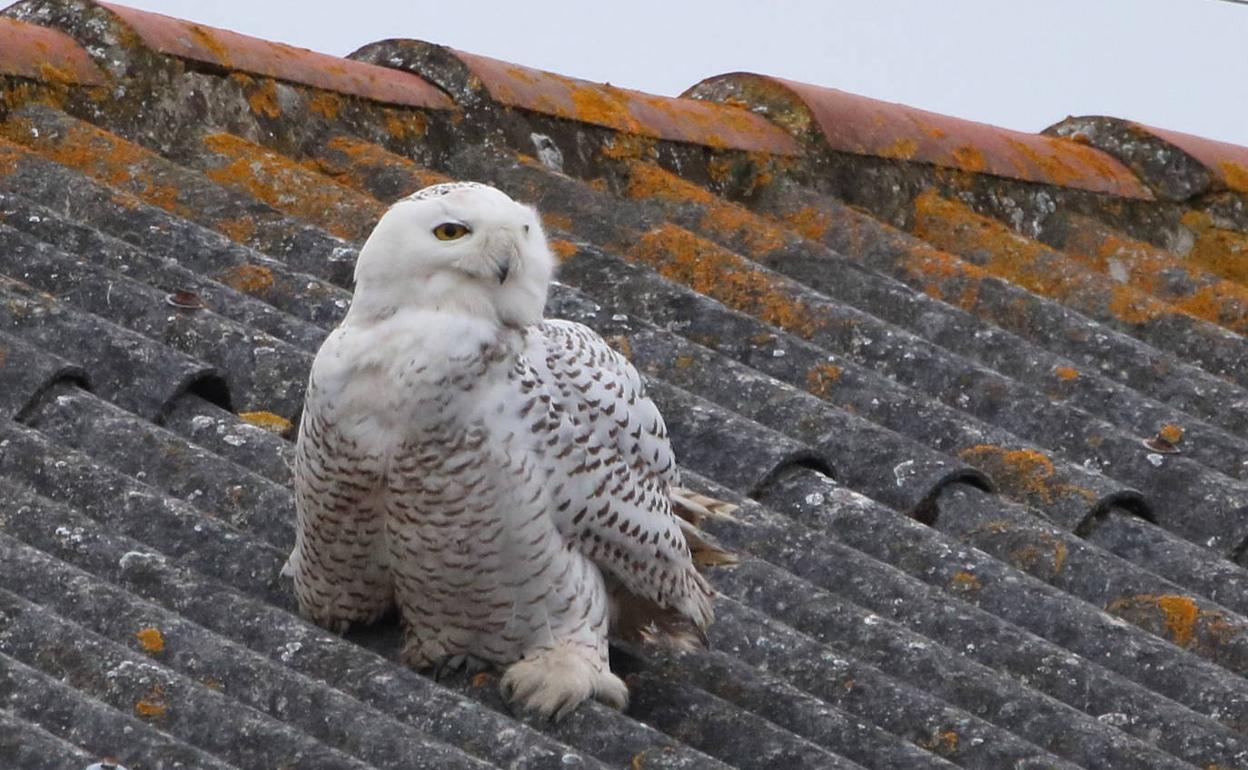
[{"x": 980, "y": 394}]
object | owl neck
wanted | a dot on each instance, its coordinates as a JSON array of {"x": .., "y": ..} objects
[{"x": 376, "y": 301}]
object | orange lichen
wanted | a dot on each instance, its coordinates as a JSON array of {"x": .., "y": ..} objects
[
  {"x": 1223, "y": 252},
  {"x": 250, "y": 279},
  {"x": 721, "y": 219},
  {"x": 902, "y": 149},
  {"x": 720, "y": 169},
  {"x": 716, "y": 272},
  {"x": 563, "y": 250},
  {"x": 1066, "y": 372},
  {"x": 646, "y": 180},
  {"x": 1171, "y": 433},
  {"x": 944, "y": 276},
  {"x": 553, "y": 220},
  {"x": 150, "y": 639},
  {"x": 1202, "y": 295},
  {"x": 290, "y": 187},
  {"x": 810, "y": 222},
  {"x": 944, "y": 744},
  {"x": 238, "y": 230},
  {"x": 326, "y": 104},
  {"x": 263, "y": 100},
  {"x": 152, "y": 706},
  {"x": 1044, "y": 556},
  {"x": 965, "y": 583},
  {"x": 273, "y": 423},
  {"x": 628, "y": 147},
  {"x": 820, "y": 379},
  {"x": 98, "y": 154},
  {"x": 406, "y": 125},
  {"x": 969, "y": 158},
  {"x": 952, "y": 225},
  {"x": 355, "y": 163},
  {"x": 1235, "y": 175},
  {"x": 481, "y": 680},
  {"x": 1179, "y": 614},
  {"x": 1024, "y": 472}
]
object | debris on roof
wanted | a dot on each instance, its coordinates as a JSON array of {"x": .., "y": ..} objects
[{"x": 980, "y": 395}]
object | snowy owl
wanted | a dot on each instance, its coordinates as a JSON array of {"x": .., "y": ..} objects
[{"x": 503, "y": 480}]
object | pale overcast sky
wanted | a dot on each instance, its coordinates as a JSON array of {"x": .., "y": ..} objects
[{"x": 1179, "y": 64}]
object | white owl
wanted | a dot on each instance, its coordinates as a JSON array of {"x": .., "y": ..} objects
[{"x": 502, "y": 479}]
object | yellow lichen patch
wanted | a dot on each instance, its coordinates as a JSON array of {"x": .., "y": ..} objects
[
  {"x": 326, "y": 104},
  {"x": 354, "y": 163},
  {"x": 646, "y": 180},
  {"x": 1223, "y": 252},
  {"x": 969, "y": 158},
  {"x": 481, "y": 680},
  {"x": 719, "y": 169},
  {"x": 603, "y": 106},
  {"x": 406, "y": 125},
  {"x": 944, "y": 276},
  {"x": 963, "y": 582},
  {"x": 1178, "y": 614},
  {"x": 1023, "y": 472},
  {"x": 1044, "y": 556},
  {"x": 628, "y": 147},
  {"x": 902, "y": 149},
  {"x": 103, "y": 156},
  {"x": 1066, "y": 373},
  {"x": 563, "y": 250},
  {"x": 238, "y": 230},
  {"x": 249, "y": 279},
  {"x": 1171, "y": 433},
  {"x": 809, "y": 221},
  {"x": 944, "y": 744},
  {"x": 263, "y": 100},
  {"x": 721, "y": 219},
  {"x": 273, "y": 423},
  {"x": 150, "y": 639},
  {"x": 1236, "y": 176},
  {"x": 553, "y": 220},
  {"x": 289, "y": 187},
  {"x": 152, "y": 706},
  {"x": 820, "y": 379},
  {"x": 716, "y": 272},
  {"x": 954, "y": 226}
]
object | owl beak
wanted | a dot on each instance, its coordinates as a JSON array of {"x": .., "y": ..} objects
[{"x": 502, "y": 270}]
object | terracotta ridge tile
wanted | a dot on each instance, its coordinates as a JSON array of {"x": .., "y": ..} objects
[
  {"x": 231, "y": 50},
  {"x": 846, "y": 122},
  {"x": 468, "y": 76},
  {"x": 44, "y": 54}
]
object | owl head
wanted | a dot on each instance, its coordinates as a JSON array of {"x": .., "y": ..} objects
[{"x": 462, "y": 248}]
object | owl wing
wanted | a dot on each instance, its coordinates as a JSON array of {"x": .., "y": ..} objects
[{"x": 612, "y": 469}]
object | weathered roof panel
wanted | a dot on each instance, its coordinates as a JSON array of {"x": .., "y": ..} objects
[
  {"x": 42, "y": 54},
  {"x": 979, "y": 395}
]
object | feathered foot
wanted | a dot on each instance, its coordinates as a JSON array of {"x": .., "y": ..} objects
[{"x": 553, "y": 682}]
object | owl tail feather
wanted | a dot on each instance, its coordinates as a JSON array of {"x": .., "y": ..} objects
[
  {"x": 692, "y": 509},
  {"x": 635, "y": 619}
]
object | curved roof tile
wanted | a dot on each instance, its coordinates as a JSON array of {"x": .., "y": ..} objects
[
  {"x": 860, "y": 125},
  {"x": 40, "y": 53},
  {"x": 220, "y": 47}
]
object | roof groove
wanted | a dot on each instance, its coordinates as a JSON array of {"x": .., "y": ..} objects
[{"x": 64, "y": 718}]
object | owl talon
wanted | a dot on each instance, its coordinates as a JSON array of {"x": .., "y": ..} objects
[{"x": 554, "y": 682}]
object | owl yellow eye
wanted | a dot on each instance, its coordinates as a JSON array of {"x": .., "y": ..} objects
[{"x": 449, "y": 231}]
